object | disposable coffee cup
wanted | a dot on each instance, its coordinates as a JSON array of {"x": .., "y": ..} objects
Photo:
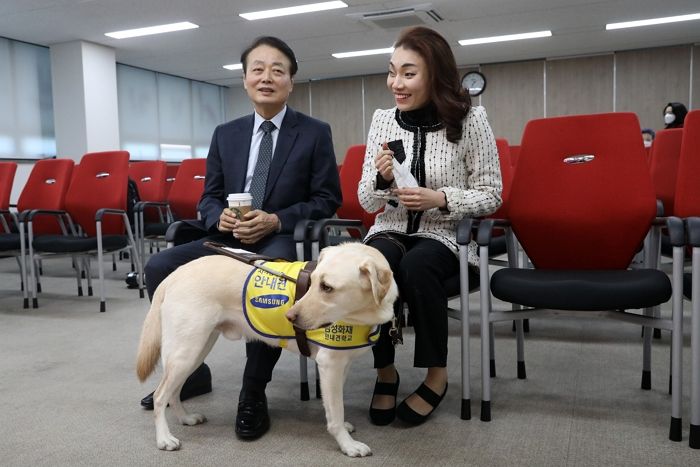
[{"x": 240, "y": 203}]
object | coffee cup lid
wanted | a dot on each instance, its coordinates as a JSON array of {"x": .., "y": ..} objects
[{"x": 240, "y": 197}]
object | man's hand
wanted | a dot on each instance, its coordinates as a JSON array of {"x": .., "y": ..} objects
[
  {"x": 254, "y": 226},
  {"x": 227, "y": 221},
  {"x": 420, "y": 199}
]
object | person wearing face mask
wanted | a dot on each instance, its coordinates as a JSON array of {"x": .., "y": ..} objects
[
  {"x": 448, "y": 147},
  {"x": 648, "y": 136},
  {"x": 674, "y": 115}
]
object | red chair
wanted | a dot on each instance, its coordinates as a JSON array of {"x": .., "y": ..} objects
[
  {"x": 150, "y": 179},
  {"x": 9, "y": 238},
  {"x": 45, "y": 189},
  {"x": 187, "y": 189},
  {"x": 7, "y": 177},
  {"x": 96, "y": 206},
  {"x": 182, "y": 201},
  {"x": 581, "y": 203},
  {"x": 170, "y": 174},
  {"x": 665, "y": 154},
  {"x": 687, "y": 205}
]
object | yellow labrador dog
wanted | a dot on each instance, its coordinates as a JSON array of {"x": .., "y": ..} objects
[{"x": 352, "y": 283}]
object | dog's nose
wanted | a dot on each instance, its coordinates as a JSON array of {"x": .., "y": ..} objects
[{"x": 291, "y": 315}]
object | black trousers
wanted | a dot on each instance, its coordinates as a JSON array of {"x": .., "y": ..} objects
[
  {"x": 261, "y": 357},
  {"x": 421, "y": 266}
]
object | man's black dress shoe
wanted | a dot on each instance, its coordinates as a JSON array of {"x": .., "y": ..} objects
[
  {"x": 198, "y": 383},
  {"x": 252, "y": 420}
]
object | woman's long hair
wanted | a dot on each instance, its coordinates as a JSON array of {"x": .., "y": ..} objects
[{"x": 446, "y": 92}]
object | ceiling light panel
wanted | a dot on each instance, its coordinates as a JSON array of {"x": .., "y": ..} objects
[
  {"x": 652, "y": 21},
  {"x": 362, "y": 53},
  {"x": 293, "y": 10},
  {"x": 151, "y": 30},
  {"x": 508, "y": 37}
]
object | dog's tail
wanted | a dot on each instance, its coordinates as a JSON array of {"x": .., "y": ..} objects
[{"x": 149, "y": 346}]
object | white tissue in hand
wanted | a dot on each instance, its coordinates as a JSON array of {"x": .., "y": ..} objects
[{"x": 403, "y": 176}]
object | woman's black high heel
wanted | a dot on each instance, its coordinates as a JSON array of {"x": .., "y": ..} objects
[{"x": 384, "y": 416}]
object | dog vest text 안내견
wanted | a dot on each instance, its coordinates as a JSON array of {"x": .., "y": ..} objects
[{"x": 267, "y": 297}]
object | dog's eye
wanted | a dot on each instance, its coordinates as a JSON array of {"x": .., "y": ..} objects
[{"x": 326, "y": 288}]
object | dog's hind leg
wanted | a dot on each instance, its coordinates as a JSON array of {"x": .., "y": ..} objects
[
  {"x": 333, "y": 370},
  {"x": 164, "y": 439}
]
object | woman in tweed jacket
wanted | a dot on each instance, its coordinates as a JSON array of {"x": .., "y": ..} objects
[{"x": 451, "y": 152}]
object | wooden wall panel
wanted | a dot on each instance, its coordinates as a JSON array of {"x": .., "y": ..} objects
[
  {"x": 299, "y": 98},
  {"x": 513, "y": 96},
  {"x": 648, "y": 79},
  {"x": 377, "y": 96},
  {"x": 339, "y": 103},
  {"x": 582, "y": 85}
]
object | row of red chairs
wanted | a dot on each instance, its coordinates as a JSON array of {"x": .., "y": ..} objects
[{"x": 79, "y": 210}]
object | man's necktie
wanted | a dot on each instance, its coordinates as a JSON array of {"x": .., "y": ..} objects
[{"x": 262, "y": 167}]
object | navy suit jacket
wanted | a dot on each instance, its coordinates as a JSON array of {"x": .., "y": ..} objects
[{"x": 303, "y": 181}]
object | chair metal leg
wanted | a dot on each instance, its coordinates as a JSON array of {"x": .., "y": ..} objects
[
  {"x": 32, "y": 266},
  {"x": 485, "y": 295},
  {"x": 77, "y": 269},
  {"x": 303, "y": 378},
  {"x": 520, "y": 345},
  {"x": 694, "y": 438},
  {"x": 492, "y": 351},
  {"x": 23, "y": 266},
  {"x": 466, "y": 410},
  {"x": 675, "y": 433},
  {"x": 100, "y": 269}
]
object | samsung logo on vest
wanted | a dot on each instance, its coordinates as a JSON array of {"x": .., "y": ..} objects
[{"x": 269, "y": 301}]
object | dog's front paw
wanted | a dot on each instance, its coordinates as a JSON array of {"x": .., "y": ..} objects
[
  {"x": 168, "y": 443},
  {"x": 193, "y": 419},
  {"x": 349, "y": 427},
  {"x": 355, "y": 449}
]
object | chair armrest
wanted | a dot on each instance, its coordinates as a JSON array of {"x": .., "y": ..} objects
[
  {"x": 108, "y": 211},
  {"x": 141, "y": 205},
  {"x": 486, "y": 226},
  {"x": 693, "y": 224},
  {"x": 320, "y": 228},
  {"x": 464, "y": 230},
  {"x": 180, "y": 232},
  {"x": 676, "y": 232},
  {"x": 303, "y": 230}
]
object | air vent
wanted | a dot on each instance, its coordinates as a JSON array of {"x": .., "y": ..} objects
[{"x": 417, "y": 15}]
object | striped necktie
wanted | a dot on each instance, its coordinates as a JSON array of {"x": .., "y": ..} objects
[{"x": 262, "y": 167}]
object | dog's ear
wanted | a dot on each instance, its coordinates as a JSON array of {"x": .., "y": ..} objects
[{"x": 379, "y": 279}]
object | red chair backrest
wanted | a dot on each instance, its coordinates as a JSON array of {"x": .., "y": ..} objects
[
  {"x": 350, "y": 175},
  {"x": 507, "y": 171},
  {"x": 665, "y": 153},
  {"x": 46, "y": 188},
  {"x": 589, "y": 215},
  {"x": 150, "y": 179},
  {"x": 187, "y": 188},
  {"x": 7, "y": 176},
  {"x": 170, "y": 174},
  {"x": 687, "y": 198},
  {"x": 99, "y": 181},
  {"x": 514, "y": 154}
]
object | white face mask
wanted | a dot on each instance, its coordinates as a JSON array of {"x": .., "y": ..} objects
[
  {"x": 647, "y": 144},
  {"x": 669, "y": 118}
]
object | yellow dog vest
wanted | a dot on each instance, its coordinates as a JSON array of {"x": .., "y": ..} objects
[{"x": 267, "y": 297}]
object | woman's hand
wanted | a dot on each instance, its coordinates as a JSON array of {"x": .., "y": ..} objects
[
  {"x": 420, "y": 199},
  {"x": 384, "y": 163}
]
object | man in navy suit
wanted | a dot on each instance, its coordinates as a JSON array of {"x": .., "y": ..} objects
[{"x": 302, "y": 183}]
